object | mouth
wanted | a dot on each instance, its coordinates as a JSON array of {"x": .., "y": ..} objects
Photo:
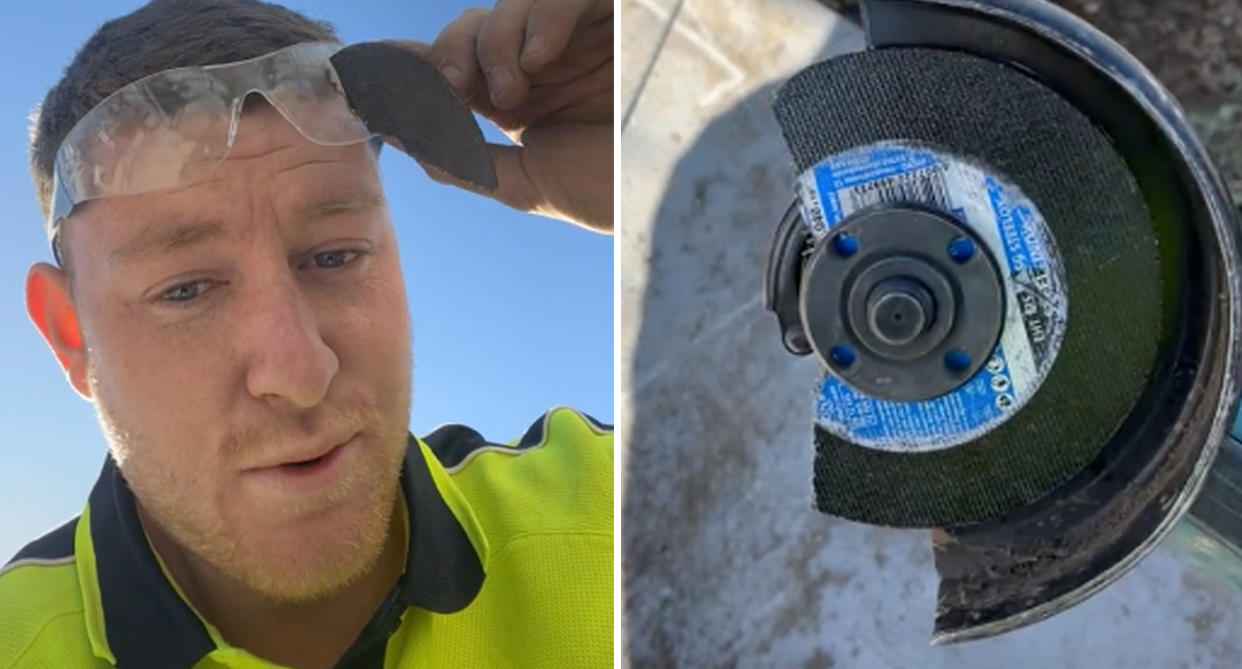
[
  {"x": 306, "y": 475},
  {"x": 311, "y": 463}
]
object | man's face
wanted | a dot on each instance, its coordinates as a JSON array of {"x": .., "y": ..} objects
[{"x": 248, "y": 348}]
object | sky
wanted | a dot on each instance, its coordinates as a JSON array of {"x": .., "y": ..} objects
[{"x": 512, "y": 313}]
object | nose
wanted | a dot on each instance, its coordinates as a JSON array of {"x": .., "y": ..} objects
[{"x": 289, "y": 362}]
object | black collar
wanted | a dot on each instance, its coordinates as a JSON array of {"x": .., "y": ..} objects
[{"x": 148, "y": 625}]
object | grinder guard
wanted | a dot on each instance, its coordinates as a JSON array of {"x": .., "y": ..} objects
[{"x": 1044, "y": 557}]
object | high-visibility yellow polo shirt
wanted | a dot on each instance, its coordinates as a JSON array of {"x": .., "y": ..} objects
[{"x": 509, "y": 564}]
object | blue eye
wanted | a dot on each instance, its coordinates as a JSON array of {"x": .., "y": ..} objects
[
  {"x": 183, "y": 292},
  {"x": 334, "y": 259}
]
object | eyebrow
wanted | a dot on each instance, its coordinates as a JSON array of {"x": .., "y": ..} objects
[
  {"x": 158, "y": 239},
  {"x": 340, "y": 205}
]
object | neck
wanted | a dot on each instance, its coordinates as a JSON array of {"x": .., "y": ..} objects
[{"x": 310, "y": 634}]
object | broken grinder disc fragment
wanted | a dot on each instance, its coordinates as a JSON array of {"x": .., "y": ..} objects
[{"x": 399, "y": 94}]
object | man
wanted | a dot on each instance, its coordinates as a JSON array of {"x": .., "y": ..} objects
[{"x": 232, "y": 304}]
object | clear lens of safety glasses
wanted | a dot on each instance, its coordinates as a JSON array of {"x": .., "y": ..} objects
[{"x": 173, "y": 128}]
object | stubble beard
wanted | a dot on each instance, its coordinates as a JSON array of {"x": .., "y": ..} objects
[{"x": 320, "y": 562}]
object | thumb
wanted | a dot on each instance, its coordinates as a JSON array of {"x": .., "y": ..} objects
[{"x": 514, "y": 187}]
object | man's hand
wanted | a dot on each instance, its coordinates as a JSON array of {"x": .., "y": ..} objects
[{"x": 541, "y": 70}]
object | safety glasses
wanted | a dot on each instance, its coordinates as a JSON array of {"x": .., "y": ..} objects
[{"x": 173, "y": 128}]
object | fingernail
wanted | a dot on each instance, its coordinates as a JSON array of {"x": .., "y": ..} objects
[
  {"x": 452, "y": 74},
  {"x": 499, "y": 80},
  {"x": 534, "y": 44}
]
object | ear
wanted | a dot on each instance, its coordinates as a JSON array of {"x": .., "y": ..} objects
[{"x": 51, "y": 309}]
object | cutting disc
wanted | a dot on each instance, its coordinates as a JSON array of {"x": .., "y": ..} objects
[{"x": 1026, "y": 413}]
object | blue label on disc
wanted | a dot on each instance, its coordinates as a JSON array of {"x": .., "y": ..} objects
[
  {"x": 1033, "y": 276},
  {"x": 982, "y": 400}
]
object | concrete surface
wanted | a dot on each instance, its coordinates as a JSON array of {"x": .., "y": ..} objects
[{"x": 725, "y": 562}]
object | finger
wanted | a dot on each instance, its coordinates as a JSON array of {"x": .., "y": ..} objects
[
  {"x": 587, "y": 99},
  {"x": 513, "y": 187},
  {"x": 517, "y": 190},
  {"x": 551, "y": 25},
  {"x": 453, "y": 51},
  {"x": 499, "y": 48}
]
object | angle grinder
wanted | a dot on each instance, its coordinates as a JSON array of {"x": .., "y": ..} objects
[{"x": 1017, "y": 268}]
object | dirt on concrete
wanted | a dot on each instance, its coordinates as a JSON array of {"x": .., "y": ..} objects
[{"x": 1195, "y": 48}]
